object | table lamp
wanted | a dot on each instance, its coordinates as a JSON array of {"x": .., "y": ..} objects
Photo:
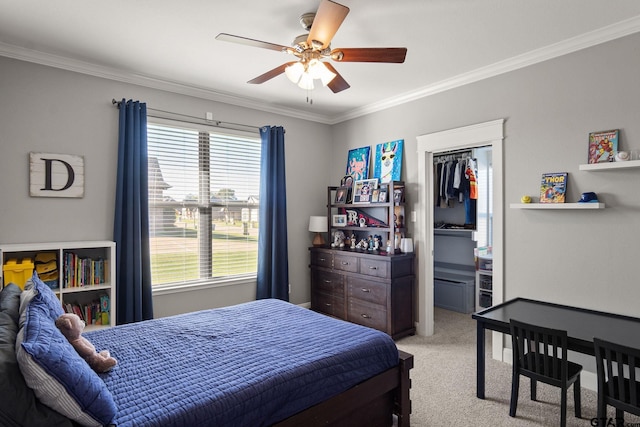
[{"x": 318, "y": 225}]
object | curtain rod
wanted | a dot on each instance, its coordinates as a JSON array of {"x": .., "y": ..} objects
[{"x": 200, "y": 121}]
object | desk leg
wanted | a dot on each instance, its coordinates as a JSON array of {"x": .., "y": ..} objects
[{"x": 480, "y": 361}]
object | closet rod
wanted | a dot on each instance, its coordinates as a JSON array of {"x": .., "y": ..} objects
[{"x": 200, "y": 121}]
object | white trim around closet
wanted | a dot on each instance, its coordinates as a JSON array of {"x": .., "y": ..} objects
[{"x": 482, "y": 134}]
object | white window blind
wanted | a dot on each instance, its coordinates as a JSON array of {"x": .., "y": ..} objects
[{"x": 203, "y": 204}]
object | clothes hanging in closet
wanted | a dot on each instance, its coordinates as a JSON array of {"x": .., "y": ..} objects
[{"x": 456, "y": 180}]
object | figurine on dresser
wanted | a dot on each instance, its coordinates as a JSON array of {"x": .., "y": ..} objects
[{"x": 338, "y": 239}]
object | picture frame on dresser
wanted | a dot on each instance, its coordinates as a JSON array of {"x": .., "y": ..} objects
[
  {"x": 375, "y": 195},
  {"x": 342, "y": 195},
  {"x": 382, "y": 195},
  {"x": 398, "y": 195},
  {"x": 339, "y": 220},
  {"x": 363, "y": 189}
]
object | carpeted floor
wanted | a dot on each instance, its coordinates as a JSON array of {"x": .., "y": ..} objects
[{"x": 443, "y": 381}]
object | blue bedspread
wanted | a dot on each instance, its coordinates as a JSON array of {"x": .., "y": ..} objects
[{"x": 253, "y": 364}]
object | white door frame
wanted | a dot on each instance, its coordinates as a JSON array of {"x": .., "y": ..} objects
[{"x": 482, "y": 134}]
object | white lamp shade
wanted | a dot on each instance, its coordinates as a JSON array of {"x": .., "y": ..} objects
[
  {"x": 318, "y": 224},
  {"x": 294, "y": 72},
  {"x": 325, "y": 74},
  {"x": 306, "y": 81}
]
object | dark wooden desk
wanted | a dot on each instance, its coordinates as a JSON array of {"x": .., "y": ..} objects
[{"x": 581, "y": 326}]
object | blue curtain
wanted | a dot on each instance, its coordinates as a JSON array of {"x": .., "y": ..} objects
[
  {"x": 273, "y": 259},
  {"x": 131, "y": 224}
]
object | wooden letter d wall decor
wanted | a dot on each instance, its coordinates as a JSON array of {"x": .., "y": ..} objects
[{"x": 56, "y": 175}]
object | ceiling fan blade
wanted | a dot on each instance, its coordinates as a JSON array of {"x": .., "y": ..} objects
[
  {"x": 251, "y": 42},
  {"x": 328, "y": 19},
  {"x": 270, "y": 74},
  {"x": 370, "y": 54},
  {"x": 338, "y": 84}
]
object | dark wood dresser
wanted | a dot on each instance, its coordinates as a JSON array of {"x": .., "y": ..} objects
[{"x": 369, "y": 289}]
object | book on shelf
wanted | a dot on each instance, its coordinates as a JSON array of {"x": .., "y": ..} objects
[
  {"x": 83, "y": 271},
  {"x": 553, "y": 187},
  {"x": 95, "y": 312},
  {"x": 603, "y": 146}
]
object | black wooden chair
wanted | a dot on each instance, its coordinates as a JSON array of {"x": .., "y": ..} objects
[
  {"x": 618, "y": 385},
  {"x": 541, "y": 354}
]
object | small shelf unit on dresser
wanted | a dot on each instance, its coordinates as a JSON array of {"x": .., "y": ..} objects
[
  {"x": 389, "y": 213},
  {"x": 369, "y": 289},
  {"x": 484, "y": 282},
  {"x": 93, "y": 276}
]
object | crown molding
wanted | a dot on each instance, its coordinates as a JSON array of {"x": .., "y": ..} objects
[
  {"x": 82, "y": 67},
  {"x": 574, "y": 44},
  {"x": 593, "y": 38}
]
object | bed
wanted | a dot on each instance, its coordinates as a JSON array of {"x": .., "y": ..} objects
[{"x": 263, "y": 363}]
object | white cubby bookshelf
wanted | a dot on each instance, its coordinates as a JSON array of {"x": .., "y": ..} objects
[{"x": 102, "y": 251}]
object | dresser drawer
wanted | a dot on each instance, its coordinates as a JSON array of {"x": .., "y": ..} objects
[
  {"x": 345, "y": 263},
  {"x": 367, "y": 290},
  {"x": 374, "y": 267},
  {"x": 371, "y": 315},
  {"x": 322, "y": 259},
  {"x": 327, "y": 304},
  {"x": 327, "y": 282}
]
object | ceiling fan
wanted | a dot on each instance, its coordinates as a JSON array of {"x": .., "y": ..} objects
[{"x": 313, "y": 48}]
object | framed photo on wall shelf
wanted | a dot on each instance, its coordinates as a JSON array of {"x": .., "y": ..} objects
[
  {"x": 363, "y": 190},
  {"x": 339, "y": 220},
  {"x": 603, "y": 146},
  {"x": 553, "y": 187}
]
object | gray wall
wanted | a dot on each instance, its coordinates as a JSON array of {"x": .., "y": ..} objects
[
  {"x": 584, "y": 258},
  {"x": 49, "y": 110}
]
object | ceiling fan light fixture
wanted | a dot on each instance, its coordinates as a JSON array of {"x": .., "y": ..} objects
[
  {"x": 324, "y": 74},
  {"x": 294, "y": 72},
  {"x": 306, "y": 82}
]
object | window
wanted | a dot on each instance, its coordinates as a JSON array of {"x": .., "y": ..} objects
[
  {"x": 203, "y": 205},
  {"x": 484, "y": 225}
]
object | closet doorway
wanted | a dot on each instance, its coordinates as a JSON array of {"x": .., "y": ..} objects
[{"x": 490, "y": 135}]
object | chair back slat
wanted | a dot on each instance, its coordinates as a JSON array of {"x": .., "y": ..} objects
[
  {"x": 540, "y": 350},
  {"x": 633, "y": 395},
  {"x": 616, "y": 368}
]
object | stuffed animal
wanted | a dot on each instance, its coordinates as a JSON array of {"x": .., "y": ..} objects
[{"x": 71, "y": 326}]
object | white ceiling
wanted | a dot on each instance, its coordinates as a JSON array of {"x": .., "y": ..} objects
[{"x": 171, "y": 45}]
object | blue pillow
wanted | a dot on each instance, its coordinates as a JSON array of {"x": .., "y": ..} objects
[
  {"x": 59, "y": 377},
  {"x": 36, "y": 288}
]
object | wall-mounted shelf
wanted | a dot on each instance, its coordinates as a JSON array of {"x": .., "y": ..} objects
[
  {"x": 557, "y": 206},
  {"x": 610, "y": 165}
]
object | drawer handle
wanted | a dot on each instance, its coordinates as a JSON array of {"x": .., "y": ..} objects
[
  {"x": 327, "y": 281},
  {"x": 366, "y": 290},
  {"x": 371, "y": 267},
  {"x": 327, "y": 304},
  {"x": 344, "y": 263},
  {"x": 366, "y": 316},
  {"x": 321, "y": 259}
]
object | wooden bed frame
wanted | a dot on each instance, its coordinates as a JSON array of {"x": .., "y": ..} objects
[{"x": 371, "y": 403}]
